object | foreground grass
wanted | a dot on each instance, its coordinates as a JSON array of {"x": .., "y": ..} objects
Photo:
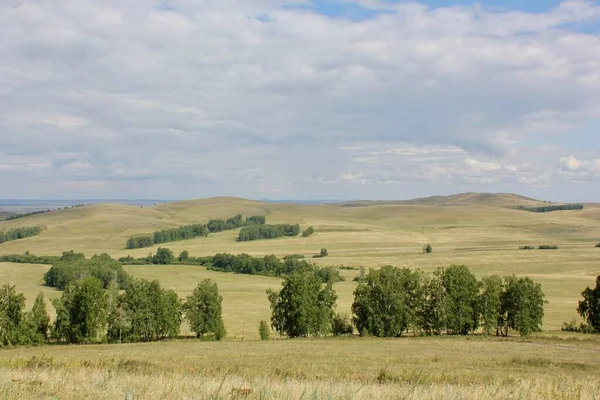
[{"x": 353, "y": 368}]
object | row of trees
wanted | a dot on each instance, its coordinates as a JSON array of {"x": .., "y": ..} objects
[
  {"x": 75, "y": 267},
  {"x": 23, "y": 215},
  {"x": 87, "y": 313},
  {"x": 193, "y": 231},
  {"x": 19, "y": 233},
  {"x": 258, "y": 232},
  {"x": 391, "y": 301},
  {"x": 544, "y": 209},
  {"x": 27, "y": 258}
]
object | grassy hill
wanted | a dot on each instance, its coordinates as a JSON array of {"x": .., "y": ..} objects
[{"x": 461, "y": 199}]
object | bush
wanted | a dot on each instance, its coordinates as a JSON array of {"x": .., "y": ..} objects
[
  {"x": 598, "y": 245},
  {"x": 548, "y": 247},
  {"x": 324, "y": 253},
  {"x": 427, "y": 249},
  {"x": 573, "y": 327},
  {"x": 526, "y": 248},
  {"x": 263, "y": 330},
  {"x": 309, "y": 231},
  {"x": 163, "y": 257},
  {"x": 341, "y": 325}
]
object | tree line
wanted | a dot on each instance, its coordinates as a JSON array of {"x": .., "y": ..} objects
[
  {"x": 19, "y": 233},
  {"x": 545, "y": 209},
  {"x": 258, "y": 232},
  {"x": 392, "y": 301},
  {"x": 193, "y": 231},
  {"x": 87, "y": 312}
]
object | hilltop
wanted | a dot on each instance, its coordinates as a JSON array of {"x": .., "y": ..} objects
[{"x": 461, "y": 199}]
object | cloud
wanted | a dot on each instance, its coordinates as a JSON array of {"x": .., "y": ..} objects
[{"x": 183, "y": 98}]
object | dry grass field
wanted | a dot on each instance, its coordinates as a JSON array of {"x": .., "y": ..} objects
[{"x": 479, "y": 231}]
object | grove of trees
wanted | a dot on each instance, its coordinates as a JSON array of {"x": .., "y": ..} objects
[
  {"x": 74, "y": 267},
  {"x": 258, "y": 232},
  {"x": 544, "y": 209},
  {"x": 193, "y": 231},
  {"x": 19, "y": 233}
]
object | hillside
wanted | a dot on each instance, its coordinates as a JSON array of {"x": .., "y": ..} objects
[
  {"x": 462, "y": 199},
  {"x": 5, "y": 214}
]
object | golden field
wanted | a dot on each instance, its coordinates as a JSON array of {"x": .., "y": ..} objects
[{"x": 475, "y": 230}]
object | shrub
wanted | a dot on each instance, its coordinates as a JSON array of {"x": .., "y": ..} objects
[
  {"x": 573, "y": 327},
  {"x": 324, "y": 253},
  {"x": 548, "y": 247},
  {"x": 427, "y": 249},
  {"x": 598, "y": 245},
  {"x": 309, "y": 231},
  {"x": 263, "y": 330},
  {"x": 342, "y": 325},
  {"x": 184, "y": 256},
  {"x": 526, "y": 248},
  {"x": 163, "y": 257}
]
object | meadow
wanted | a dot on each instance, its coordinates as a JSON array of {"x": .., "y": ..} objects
[{"x": 484, "y": 235}]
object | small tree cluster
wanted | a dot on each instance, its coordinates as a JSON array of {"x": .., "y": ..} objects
[
  {"x": 391, "y": 301},
  {"x": 526, "y": 248},
  {"x": 303, "y": 307},
  {"x": 20, "y": 327},
  {"x": 74, "y": 266},
  {"x": 29, "y": 259},
  {"x": 589, "y": 307},
  {"x": 258, "y": 232},
  {"x": 547, "y": 247},
  {"x": 263, "y": 330},
  {"x": 308, "y": 232},
  {"x": 19, "y": 233},
  {"x": 163, "y": 257}
]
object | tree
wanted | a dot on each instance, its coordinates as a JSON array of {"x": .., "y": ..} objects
[
  {"x": 39, "y": 316},
  {"x": 81, "y": 312},
  {"x": 263, "y": 330},
  {"x": 386, "y": 301},
  {"x": 184, "y": 256},
  {"x": 309, "y": 231},
  {"x": 589, "y": 307},
  {"x": 163, "y": 256},
  {"x": 522, "y": 306},
  {"x": 203, "y": 310},
  {"x": 461, "y": 298},
  {"x": 427, "y": 249},
  {"x": 11, "y": 315},
  {"x": 304, "y": 306},
  {"x": 324, "y": 253},
  {"x": 490, "y": 303}
]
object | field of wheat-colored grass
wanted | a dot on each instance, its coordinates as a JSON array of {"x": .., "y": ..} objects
[{"x": 484, "y": 236}]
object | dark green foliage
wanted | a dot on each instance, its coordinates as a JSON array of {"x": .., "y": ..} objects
[
  {"x": 544, "y": 209},
  {"x": 81, "y": 312},
  {"x": 589, "y": 307},
  {"x": 309, "y": 231},
  {"x": 526, "y": 248},
  {"x": 138, "y": 242},
  {"x": 74, "y": 267},
  {"x": 548, "y": 247},
  {"x": 183, "y": 256},
  {"x": 387, "y": 301},
  {"x": 329, "y": 274},
  {"x": 182, "y": 233},
  {"x": 163, "y": 257},
  {"x": 360, "y": 277},
  {"x": 29, "y": 259},
  {"x": 341, "y": 325},
  {"x": 427, "y": 249},
  {"x": 303, "y": 307},
  {"x": 258, "y": 232},
  {"x": 146, "y": 312},
  {"x": 219, "y": 225},
  {"x": 263, "y": 330},
  {"x": 39, "y": 317},
  {"x": 324, "y": 253},
  {"x": 255, "y": 220},
  {"x": 203, "y": 310},
  {"x": 19, "y": 233},
  {"x": 598, "y": 245},
  {"x": 522, "y": 306},
  {"x": 490, "y": 303}
]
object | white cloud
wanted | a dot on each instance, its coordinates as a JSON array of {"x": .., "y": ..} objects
[{"x": 184, "y": 99}]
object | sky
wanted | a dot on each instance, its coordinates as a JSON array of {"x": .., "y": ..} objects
[{"x": 299, "y": 99}]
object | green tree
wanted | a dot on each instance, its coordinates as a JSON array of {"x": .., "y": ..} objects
[
  {"x": 490, "y": 303},
  {"x": 589, "y": 307},
  {"x": 263, "y": 330},
  {"x": 203, "y": 310},
  {"x": 11, "y": 315},
  {"x": 342, "y": 325},
  {"x": 81, "y": 312},
  {"x": 184, "y": 256},
  {"x": 522, "y": 306},
  {"x": 461, "y": 298},
  {"x": 427, "y": 249},
  {"x": 387, "y": 301},
  {"x": 324, "y": 253},
  {"x": 304, "y": 306},
  {"x": 309, "y": 231},
  {"x": 163, "y": 256},
  {"x": 39, "y": 316}
]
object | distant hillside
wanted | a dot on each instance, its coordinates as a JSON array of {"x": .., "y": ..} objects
[
  {"x": 461, "y": 199},
  {"x": 5, "y": 214}
]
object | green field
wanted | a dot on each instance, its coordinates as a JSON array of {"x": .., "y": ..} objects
[{"x": 478, "y": 231}]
